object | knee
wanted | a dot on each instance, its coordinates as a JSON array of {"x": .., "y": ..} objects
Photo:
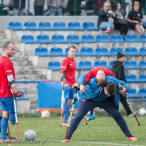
[
  {"x": 116, "y": 115},
  {"x": 12, "y": 118},
  {"x": 12, "y": 122}
]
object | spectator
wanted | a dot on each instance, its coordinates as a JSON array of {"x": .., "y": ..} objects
[
  {"x": 118, "y": 70},
  {"x": 141, "y": 3},
  {"x": 56, "y": 7},
  {"x": 120, "y": 21},
  {"x": 39, "y": 7},
  {"x": 135, "y": 18},
  {"x": 75, "y": 9},
  {"x": 105, "y": 20},
  {"x": 19, "y": 7}
]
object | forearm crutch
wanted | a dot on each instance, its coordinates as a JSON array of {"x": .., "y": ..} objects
[
  {"x": 62, "y": 100},
  {"x": 15, "y": 109},
  {"x": 9, "y": 132},
  {"x": 133, "y": 112},
  {"x": 74, "y": 100}
]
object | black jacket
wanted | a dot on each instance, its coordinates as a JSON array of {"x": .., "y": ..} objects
[
  {"x": 102, "y": 16},
  {"x": 118, "y": 70}
]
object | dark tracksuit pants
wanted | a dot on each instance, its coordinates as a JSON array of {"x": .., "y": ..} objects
[{"x": 107, "y": 105}]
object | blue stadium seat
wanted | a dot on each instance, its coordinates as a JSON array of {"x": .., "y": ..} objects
[
  {"x": 131, "y": 51},
  {"x": 41, "y": 52},
  {"x": 100, "y": 64},
  {"x": 66, "y": 52},
  {"x": 117, "y": 38},
  {"x": 54, "y": 65},
  {"x": 30, "y": 26},
  {"x": 43, "y": 39},
  {"x": 101, "y": 52},
  {"x": 27, "y": 39},
  {"x": 56, "y": 52},
  {"x": 131, "y": 38},
  {"x": 74, "y": 26},
  {"x": 142, "y": 38},
  {"x": 111, "y": 64},
  {"x": 85, "y": 51},
  {"x": 89, "y": 26},
  {"x": 45, "y": 26},
  {"x": 142, "y": 92},
  {"x": 132, "y": 93},
  {"x": 58, "y": 39},
  {"x": 102, "y": 38},
  {"x": 88, "y": 39},
  {"x": 142, "y": 64},
  {"x": 130, "y": 64},
  {"x": 59, "y": 26},
  {"x": 131, "y": 78},
  {"x": 73, "y": 39},
  {"x": 85, "y": 65},
  {"x": 15, "y": 26},
  {"x": 142, "y": 77},
  {"x": 115, "y": 50},
  {"x": 142, "y": 51}
]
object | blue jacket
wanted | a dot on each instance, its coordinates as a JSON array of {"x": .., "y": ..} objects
[{"x": 96, "y": 93}]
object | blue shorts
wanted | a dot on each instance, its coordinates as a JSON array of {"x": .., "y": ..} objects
[
  {"x": 69, "y": 93},
  {"x": 7, "y": 104}
]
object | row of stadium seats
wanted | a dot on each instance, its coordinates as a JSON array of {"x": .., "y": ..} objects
[
  {"x": 56, "y": 26},
  {"x": 86, "y": 65},
  {"x": 132, "y": 93},
  {"x": 85, "y": 51},
  {"x": 115, "y": 38}
]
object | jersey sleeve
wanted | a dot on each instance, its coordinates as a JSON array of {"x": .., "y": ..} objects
[
  {"x": 64, "y": 65},
  {"x": 110, "y": 73},
  {"x": 8, "y": 68},
  {"x": 89, "y": 75}
]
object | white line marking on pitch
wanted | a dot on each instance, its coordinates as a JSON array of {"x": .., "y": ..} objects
[{"x": 102, "y": 143}]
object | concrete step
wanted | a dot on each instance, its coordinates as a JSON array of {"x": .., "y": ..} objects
[
  {"x": 33, "y": 110},
  {"x": 33, "y": 106},
  {"x": 29, "y": 77},
  {"x": 21, "y": 63},
  {"x": 19, "y": 58}
]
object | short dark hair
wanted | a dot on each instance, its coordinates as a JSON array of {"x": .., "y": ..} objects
[
  {"x": 6, "y": 44},
  {"x": 72, "y": 47},
  {"x": 111, "y": 88},
  {"x": 101, "y": 83}
]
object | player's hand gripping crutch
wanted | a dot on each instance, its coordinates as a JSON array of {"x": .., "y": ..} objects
[
  {"x": 18, "y": 94},
  {"x": 74, "y": 100}
]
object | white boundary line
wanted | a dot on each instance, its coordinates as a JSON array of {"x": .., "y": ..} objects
[{"x": 102, "y": 143}]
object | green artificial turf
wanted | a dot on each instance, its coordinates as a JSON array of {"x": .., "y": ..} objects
[{"x": 101, "y": 131}]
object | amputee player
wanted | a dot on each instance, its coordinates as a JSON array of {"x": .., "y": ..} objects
[
  {"x": 105, "y": 97},
  {"x": 99, "y": 73},
  {"x": 68, "y": 69},
  {"x": 7, "y": 76}
]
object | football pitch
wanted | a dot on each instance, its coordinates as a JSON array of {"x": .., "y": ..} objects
[{"x": 102, "y": 131}]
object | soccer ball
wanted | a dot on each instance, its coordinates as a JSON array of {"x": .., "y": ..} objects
[
  {"x": 45, "y": 114},
  {"x": 142, "y": 111},
  {"x": 30, "y": 134}
]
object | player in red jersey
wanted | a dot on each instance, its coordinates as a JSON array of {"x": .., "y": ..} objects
[
  {"x": 68, "y": 69},
  {"x": 7, "y": 76},
  {"x": 99, "y": 73}
]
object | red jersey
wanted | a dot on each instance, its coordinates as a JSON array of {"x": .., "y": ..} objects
[
  {"x": 92, "y": 73},
  {"x": 68, "y": 66},
  {"x": 6, "y": 68}
]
